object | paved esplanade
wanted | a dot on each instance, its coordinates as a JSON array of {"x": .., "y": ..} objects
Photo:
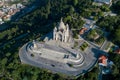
[{"x": 58, "y": 54}]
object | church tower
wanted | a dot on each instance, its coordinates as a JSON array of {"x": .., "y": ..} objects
[
  {"x": 54, "y": 33},
  {"x": 62, "y": 32},
  {"x": 67, "y": 33},
  {"x": 61, "y": 25}
]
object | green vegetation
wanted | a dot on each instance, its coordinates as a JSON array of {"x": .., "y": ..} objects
[
  {"x": 75, "y": 34},
  {"x": 92, "y": 75},
  {"x": 116, "y": 7},
  {"x": 32, "y": 26},
  {"x": 108, "y": 46},
  {"x": 117, "y": 36},
  {"x": 105, "y": 8},
  {"x": 75, "y": 44},
  {"x": 99, "y": 31},
  {"x": 9, "y": 34},
  {"x": 100, "y": 40},
  {"x": 32, "y": 55},
  {"x": 95, "y": 35},
  {"x": 111, "y": 25},
  {"x": 91, "y": 35},
  {"x": 84, "y": 46},
  {"x": 70, "y": 65},
  {"x": 41, "y": 21},
  {"x": 115, "y": 75}
]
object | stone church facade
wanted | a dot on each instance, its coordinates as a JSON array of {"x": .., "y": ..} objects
[{"x": 62, "y": 33}]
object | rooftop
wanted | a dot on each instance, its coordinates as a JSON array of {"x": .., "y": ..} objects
[
  {"x": 103, "y": 60},
  {"x": 104, "y": 1}
]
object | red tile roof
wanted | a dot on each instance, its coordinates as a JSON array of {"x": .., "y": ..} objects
[
  {"x": 82, "y": 30},
  {"x": 103, "y": 60}
]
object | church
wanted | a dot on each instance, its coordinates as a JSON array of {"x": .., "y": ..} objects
[
  {"x": 57, "y": 53},
  {"x": 62, "y": 33}
]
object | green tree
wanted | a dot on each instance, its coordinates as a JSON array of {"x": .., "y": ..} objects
[
  {"x": 116, "y": 7},
  {"x": 75, "y": 2},
  {"x": 71, "y": 10},
  {"x": 91, "y": 34},
  {"x": 117, "y": 36},
  {"x": 68, "y": 19}
]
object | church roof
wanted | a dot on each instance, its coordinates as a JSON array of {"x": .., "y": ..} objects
[{"x": 61, "y": 25}]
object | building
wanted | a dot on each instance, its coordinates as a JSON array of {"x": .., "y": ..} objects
[
  {"x": 62, "y": 36},
  {"x": 103, "y": 60},
  {"x": 117, "y": 51},
  {"x": 62, "y": 33},
  {"x": 82, "y": 31},
  {"x": 105, "y": 64},
  {"x": 104, "y": 1},
  {"x": 89, "y": 24}
]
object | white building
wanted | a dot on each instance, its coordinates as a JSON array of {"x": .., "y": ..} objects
[
  {"x": 104, "y": 1},
  {"x": 62, "y": 33}
]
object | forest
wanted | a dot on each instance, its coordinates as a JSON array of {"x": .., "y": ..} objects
[{"x": 41, "y": 21}]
